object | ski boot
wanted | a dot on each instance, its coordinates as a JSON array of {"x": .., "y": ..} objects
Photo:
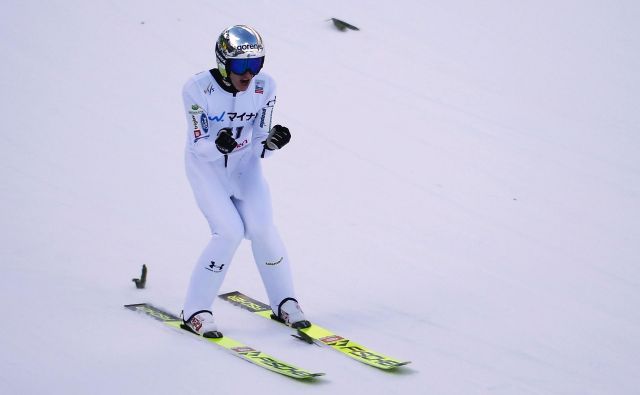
[{"x": 202, "y": 323}]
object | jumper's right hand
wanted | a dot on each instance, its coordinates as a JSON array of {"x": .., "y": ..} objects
[{"x": 225, "y": 142}]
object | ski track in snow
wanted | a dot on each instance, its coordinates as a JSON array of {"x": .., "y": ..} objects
[{"x": 462, "y": 190}]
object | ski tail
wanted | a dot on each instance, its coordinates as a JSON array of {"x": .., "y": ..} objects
[{"x": 247, "y": 303}]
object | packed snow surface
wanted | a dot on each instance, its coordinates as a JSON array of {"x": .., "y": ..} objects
[{"x": 462, "y": 190}]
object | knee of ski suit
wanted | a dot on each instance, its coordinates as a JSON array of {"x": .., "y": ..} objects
[
  {"x": 231, "y": 229},
  {"x": 261, "y": 231}
]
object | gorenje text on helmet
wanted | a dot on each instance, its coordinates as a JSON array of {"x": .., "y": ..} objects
[{"x": 244, "y": 47}]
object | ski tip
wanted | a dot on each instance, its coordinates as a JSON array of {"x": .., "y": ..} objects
[
  {"x": 397, "y": 365},
  {"x": 309, "y": 376}
]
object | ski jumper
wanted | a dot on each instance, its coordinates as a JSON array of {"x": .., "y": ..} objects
[{"x": 230, "y": 190}]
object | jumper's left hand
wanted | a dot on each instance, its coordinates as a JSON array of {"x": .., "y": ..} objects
[{"x": 278, "y": 137}]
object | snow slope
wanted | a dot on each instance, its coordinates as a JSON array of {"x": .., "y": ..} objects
[{"x": 462, "y": 190}]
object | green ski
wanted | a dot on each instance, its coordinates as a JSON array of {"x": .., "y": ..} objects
[
  {"x": 235, "y": 347},
  {"x": 319, "y": 335}
]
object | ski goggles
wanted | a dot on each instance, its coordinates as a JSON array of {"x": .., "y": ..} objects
[{"x": 241, "y": 66}]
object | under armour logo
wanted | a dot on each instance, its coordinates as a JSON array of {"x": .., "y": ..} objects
[
  {"x": 274, "y": 263},
  {"x": 214, "y": 268}
]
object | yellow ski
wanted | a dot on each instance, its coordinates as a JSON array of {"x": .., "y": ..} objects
[
  {"x": 319, "y": 335},
  {"x": 237, "y": 348}
]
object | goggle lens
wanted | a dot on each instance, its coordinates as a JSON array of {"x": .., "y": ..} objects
[{"x": 241, "y": 66}]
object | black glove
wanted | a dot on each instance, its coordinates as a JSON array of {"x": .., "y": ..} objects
[
  {"x": 225, "y": 142},
  {"x": 278, "y": 137}
]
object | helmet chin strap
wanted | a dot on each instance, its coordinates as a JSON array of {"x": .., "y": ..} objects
[{"x": 227, "y": 81}]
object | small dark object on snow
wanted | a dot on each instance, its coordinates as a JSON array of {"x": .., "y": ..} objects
[
  {"x": 342, "y": 25},
  {"x": 140, "y": 282}
]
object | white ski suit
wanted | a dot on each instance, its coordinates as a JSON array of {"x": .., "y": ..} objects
[{"x": 230, "y": 189}]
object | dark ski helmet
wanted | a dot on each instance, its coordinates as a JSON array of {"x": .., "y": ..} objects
[{"x": 238, "y": 42}]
